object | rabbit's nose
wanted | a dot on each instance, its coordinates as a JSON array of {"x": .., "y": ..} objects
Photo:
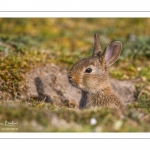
[{"x": 69, "y": 77}]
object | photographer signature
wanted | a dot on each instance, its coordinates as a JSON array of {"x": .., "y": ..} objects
[{"x": 9, "y": 123}]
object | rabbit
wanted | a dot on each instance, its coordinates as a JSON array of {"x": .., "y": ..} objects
[{"x": 92, "y": 77}]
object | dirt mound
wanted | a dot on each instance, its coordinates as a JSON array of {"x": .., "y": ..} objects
[{"x": 50, "y": 83}]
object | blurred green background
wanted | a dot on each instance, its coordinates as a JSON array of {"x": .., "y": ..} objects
[
  {"x": 75, "y": 36},
  {"x": 29, "y": 42}
]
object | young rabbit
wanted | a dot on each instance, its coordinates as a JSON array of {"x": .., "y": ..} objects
[{"x": 91, "y": 76}]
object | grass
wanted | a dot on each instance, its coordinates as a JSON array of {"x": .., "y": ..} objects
[
  {"x": 50, "y": 118},
  {"x": 27, "y": 43}
]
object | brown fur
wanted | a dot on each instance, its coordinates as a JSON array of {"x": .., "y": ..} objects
[{"x": 95, "y": 85}]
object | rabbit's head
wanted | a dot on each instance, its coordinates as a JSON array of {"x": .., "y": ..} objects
[{"x": 91, "y": 74}]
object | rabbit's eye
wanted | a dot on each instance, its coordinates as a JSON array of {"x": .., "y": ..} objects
[{"x": 88, "y": 70}]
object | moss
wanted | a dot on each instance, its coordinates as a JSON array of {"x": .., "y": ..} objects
[
  {"x": 64, "y": 120},
  {"x": 116, "y": 74},
  {"x": 27, "y": 43},
  {"x": 145, "y": 72}
]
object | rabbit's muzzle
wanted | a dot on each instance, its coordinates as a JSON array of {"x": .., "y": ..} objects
[
  {"x": 70, "y": 78},
  {"x": 74, "y": 80}
]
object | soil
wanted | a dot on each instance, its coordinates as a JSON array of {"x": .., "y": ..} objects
[{"x": 50, "y": 83}]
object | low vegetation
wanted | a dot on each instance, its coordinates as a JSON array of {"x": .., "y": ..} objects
[{"x": 28, "y": 43}]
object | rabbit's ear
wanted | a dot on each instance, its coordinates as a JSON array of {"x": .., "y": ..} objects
[
  {"x": 112, "y": 53},
  {"x": 96, "y": 47}
]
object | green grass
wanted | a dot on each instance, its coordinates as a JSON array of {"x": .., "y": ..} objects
[{"x": 62, "y": 119}]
